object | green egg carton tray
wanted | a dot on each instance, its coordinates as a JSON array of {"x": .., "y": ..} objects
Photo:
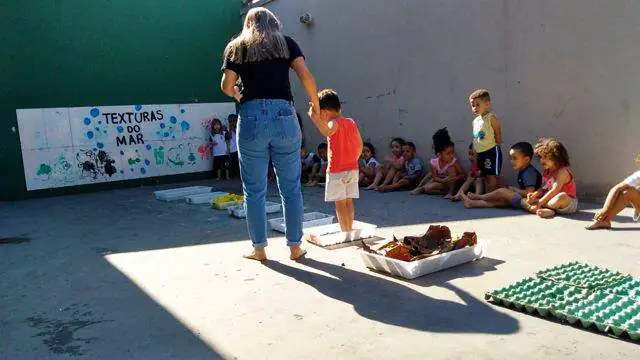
[
  {"x": 578, "y": 294},
  {"x": 538, "y": 295},
  {"x": 629, "y": 287},
  {"x": 582, "y": 275},
  {"x": 609, "y": 313}
]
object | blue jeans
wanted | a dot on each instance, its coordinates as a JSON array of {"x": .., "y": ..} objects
[{"x": 269, "y": 129}]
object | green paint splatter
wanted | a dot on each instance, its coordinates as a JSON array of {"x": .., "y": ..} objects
[
  {"x": 44, "y": 170},
  {"x": 158, "y": 153},
  {"x": 176, "y": 163},
  {"x": 133, "y": 162}
]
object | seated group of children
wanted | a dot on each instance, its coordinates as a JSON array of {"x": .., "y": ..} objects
[{"x": 544, "y": 195}]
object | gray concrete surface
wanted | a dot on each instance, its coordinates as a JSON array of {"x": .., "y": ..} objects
[
  {"x": 406, "y": 68},
  {"x": 119, "y": 275}
]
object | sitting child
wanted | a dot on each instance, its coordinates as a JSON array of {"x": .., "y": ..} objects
[
  {"x": 475, "y": 177},
  {"x": 310, "y": 166},
  {"x": 529, "y": 180},
  {"x": 394, "y": 165},
  {"x": 370, "y": 168},
  {"x": 625, "y": 193},
  {"x": 558, "y": 193},
  {"x": 320, "y": 175},
  {"x": 446, "y": 171},
  {"x": 413, "y": 171}
]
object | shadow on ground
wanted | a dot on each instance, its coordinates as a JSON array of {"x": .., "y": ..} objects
[{"x": 393, "y": 303}]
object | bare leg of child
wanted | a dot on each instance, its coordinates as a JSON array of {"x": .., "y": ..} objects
[
  {"x": 433, "y": 188},
  {"x": 559, "y": 201},
  {"x": 390, "y": 176},
  {"x": 402, "y": 183},
  {"x": 351, "y": 215},
  {"x": 219, "y": 174},
  {"x": 227, "y": 175},
  {"x": 380, "y": 174},
  {"x": 313, "y": 176},
  {"x": 603, "y": 218},
  {"x": 500, "y": 197},
  {"x": 342, "y": 212},
  {"x": 479, "y": 186},
  {"x": 463, "y": 189},
  {"x": 493, "y": 182},
  {"x": 470, "y": 204},
  {"x": 363, "y": 180}
]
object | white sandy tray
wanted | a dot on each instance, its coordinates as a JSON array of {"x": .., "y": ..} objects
[
  {"x": 205, "y": 198},
  {"x": 327, "y": 235},
  {"x": 180, "y": 193},
  {"x": 309, "y": 220},
  {"x": 414, "y": 269},
  {"x": 240, "y": 212}
]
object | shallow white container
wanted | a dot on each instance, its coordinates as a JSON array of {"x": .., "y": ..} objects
[
  {"x": 204, "y": 198},
  {"x": 240, "y": 212},
  {"x": 180, "y": 193},
  {"x": 308, "y": 220},
  {"x": 326, "y": 235},
  {"x": 414, "y": 269}
]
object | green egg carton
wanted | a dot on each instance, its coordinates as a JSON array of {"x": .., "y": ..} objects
[
  {"x": 629, "y": 287},
  {"x": 609, "y": 313},
  {"x": 582, "y": 275},
  {"x": 538, "y": 295}
]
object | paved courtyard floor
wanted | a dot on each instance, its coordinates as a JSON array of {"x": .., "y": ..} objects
[{"x": 120, "y": 275}]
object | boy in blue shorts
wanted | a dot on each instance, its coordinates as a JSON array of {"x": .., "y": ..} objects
[{"x": 487, "y": 138}]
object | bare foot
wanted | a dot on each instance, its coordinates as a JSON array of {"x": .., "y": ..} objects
[
  {"x": 311, "y": 183},
  {"x": 546, "y": 213},
  {"x": 371, "y": 187},
  {"x": 467, "y": 202},
  {"x": 297, "y": 253},
  {"x": 383, "y": 189},
  {"x": 257, "y": 254},
  {"x": 456, "y": 197},
  {"x": 416, "y": 191},
  {"x": 527, "y": 207},
  {"x": 449, "y": 196},
  {"x": 472, "y": 196},
  {"x": 597, "y": 224}
]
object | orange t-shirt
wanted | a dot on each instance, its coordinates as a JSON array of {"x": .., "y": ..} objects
[{"x": 344, "y": 148}]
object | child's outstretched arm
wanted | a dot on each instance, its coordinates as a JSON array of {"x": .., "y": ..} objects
[
  {"x": 325, "y": 126},
  {"x": 497, "y": 129},
  {"x": 561, "y": 180}
]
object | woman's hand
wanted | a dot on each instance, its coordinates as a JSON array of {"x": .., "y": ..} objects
[
  {"x": 314, "y": 112},
  {"x": 236, "y": 93}
]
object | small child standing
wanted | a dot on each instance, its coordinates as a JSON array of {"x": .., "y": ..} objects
[
  {"x": 234, "y": 165},
  {"x": 219, "y": 146},
  {"x": 487, "y": 138},
  {"x": 475, "y": 177},
  {"x": 345, "y": 147},
  {"x": 413, "y": 170},
  {"x": 370, "y": 168},
  {"x": 445, "y": 169},
  {"x": 558, "y": 193},
  {"x": 529, "y": 180}
]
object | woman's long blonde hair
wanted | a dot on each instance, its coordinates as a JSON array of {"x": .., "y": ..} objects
[{"x": 261, "y": 39}]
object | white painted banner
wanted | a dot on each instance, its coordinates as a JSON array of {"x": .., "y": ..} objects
[{"x": 85, "y": 145}]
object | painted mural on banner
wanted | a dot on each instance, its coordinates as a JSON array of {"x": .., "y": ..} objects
[{"x": 85, "y": 145}]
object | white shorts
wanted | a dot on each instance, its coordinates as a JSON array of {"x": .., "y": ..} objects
[
  {"x": 571, "y": 208},
  {"x": 342, "y": 186}
]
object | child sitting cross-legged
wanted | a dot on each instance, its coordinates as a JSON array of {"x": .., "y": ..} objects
[
  {"x": 445, "y": 169},
  {"x": 393, "y": 167},
  {"x": 529, "y": 180},
  {"x": 413, "y": 171},
  {"x": 370, "y": 169},
  {"x": 558, "y": 193}
]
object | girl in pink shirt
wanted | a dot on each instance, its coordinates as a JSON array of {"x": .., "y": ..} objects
[
  {"x": 394, "y": 166},
  {"x": 558, "y": 193}
]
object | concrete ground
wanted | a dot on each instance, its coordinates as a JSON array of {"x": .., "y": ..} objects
[{"x": 119, "y": 275}]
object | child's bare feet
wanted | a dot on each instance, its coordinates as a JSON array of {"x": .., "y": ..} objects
[
  {"x": 449, "y": 196},
  {"x": 599, "y": 224},
  {"x": 297, "y": 253},
  {"x": 311, "y": 183},
  {"x": 545, "y": 213},
  {"x": 416, "y": 191},
  {"x": 457, "y": 197},
  {"x": 257, "y": 254},
  {"x": 466, "y": 201},
  {"x": 371, "y": 187},
  {"x": 384, "y": 188},
  {"x": 472, "y": 196}
]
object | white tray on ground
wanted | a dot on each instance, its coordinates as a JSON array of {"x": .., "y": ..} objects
[
  {"x": 414, "y": 269},
  {"x": 327, "y": 235},
  {"x": 180, "y": 193},
  {"x": 204, "y": 198},
  {"x": 240, "y": 212},
  {"x": 308, "y": 220}
]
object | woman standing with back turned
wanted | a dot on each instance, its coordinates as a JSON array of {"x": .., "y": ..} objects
[{"x": 268, "y": 128}]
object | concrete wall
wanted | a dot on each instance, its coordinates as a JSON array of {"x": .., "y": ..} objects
[{"x": 405, "y": 68}]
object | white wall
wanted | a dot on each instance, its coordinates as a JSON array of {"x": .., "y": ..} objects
[{"x": 405, "y": 68}]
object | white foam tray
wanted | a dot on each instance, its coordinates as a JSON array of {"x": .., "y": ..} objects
[
  {"x": 204, "y": 198},
  {"x": 180, "y": 193},
  {"x": 308, "y": 220},
  {"x": 240, "y": 212},
  {"x": 414, "y": 269},
  {"x": 326, "y": 235}
]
